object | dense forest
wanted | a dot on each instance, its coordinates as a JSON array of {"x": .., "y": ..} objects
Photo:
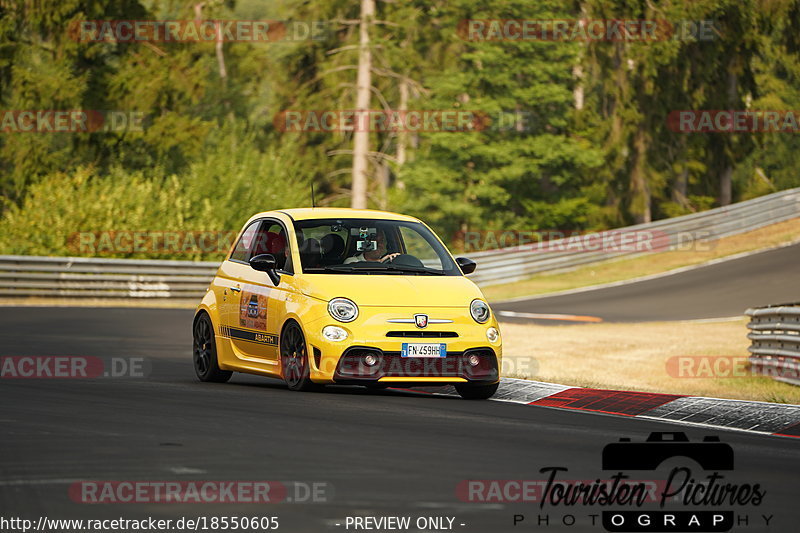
[{"x": 570, "y": 133}]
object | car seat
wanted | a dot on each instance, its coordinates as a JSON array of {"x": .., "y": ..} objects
[
  {"x": 310, "y": 253},
  {"x": 332, "y": 246}
]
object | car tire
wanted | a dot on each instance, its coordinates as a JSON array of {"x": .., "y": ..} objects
[
  {"x": 294, "y": 358},
  {"x": 204, "y": 352},
  {"x": 476, "y": 392}
]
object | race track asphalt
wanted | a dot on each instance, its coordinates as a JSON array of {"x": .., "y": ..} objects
[
  {"x": 381, "y": 453},
  {"x": 722, "y": 289}
]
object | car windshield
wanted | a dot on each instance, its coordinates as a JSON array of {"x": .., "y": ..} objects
[{"x": 369, "y": 246}]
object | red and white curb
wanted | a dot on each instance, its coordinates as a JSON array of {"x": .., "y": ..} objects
[{"x": 754, "y": 417}]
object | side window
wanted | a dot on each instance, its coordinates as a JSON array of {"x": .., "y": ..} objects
[
  {"x": 272, "y": 239},
  {"x": 242, "y": 250},
  {"x": 417, "y": 246}
]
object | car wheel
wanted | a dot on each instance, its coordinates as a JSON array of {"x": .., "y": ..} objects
[
  {"x": 476, "y": 392},
  {"x": 204, "y": 352},
  {"x": 294, "y": 358}
]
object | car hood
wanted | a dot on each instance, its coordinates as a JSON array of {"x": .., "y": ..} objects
[{"x": 392, "y": 290}]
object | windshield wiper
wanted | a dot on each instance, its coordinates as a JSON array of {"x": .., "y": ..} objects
[
  {"x": 347, "y": 269},
  {"x": 334, "y": 268},
  {"x": 383, "y": 267},
  {"x": 377, "y": 268},
  {"x": 420, "y": 270}
]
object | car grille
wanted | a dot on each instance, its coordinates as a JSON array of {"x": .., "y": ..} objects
[{"x": 423, "y": 334}]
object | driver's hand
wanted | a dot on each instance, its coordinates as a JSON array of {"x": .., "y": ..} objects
[{"x": 388, "y": 257}]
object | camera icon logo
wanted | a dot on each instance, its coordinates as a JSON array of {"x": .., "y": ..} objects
[{"x": 710, "y": 453}]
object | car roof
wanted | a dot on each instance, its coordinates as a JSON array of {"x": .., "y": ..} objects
[{"x": 311, "y": 213}]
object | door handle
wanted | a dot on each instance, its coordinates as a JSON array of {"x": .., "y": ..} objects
[{"x": 236, "y": 289}]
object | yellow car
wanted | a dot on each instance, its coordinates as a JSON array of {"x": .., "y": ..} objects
[{"x": 343, "y": 296}]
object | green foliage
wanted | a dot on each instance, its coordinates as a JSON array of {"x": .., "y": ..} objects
[
  {"x": 209, "y": 154},
  {"x": 63, "y": 204},
  {"x": 526, "y": 174}
]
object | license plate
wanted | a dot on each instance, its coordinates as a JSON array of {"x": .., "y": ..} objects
[{"x": 416, "y": 349}]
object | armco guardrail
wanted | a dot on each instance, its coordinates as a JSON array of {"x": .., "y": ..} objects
[
  {"x": 81, "y": 277},
  {"x": 23, "y": 276},
  {"x": 516, "y": 263},
  {"x": 775, "y": 341}
]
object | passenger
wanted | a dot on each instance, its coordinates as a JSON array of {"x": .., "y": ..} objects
[{"x": 378, "y": 255}]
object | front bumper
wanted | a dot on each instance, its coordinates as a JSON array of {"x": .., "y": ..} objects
[{"x": 376, "y": 332}]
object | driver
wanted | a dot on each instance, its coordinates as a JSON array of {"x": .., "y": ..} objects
[{"x": 378, "y": 255}]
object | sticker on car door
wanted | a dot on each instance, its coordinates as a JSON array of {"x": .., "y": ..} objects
[{"x": 253, "y": 310}]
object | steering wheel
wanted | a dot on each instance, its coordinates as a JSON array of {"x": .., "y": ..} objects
[{"x": 407, "y": 260}]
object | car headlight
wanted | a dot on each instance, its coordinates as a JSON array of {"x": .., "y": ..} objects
[
  {"x": 342, "y": 309},
  {"x": 479, "y": 311},
  {"x": 334, "y": 333},
  {"x": 492, "y": 334}
]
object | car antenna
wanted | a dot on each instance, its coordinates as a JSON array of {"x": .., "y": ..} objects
[{"x": 313, "y": 203}]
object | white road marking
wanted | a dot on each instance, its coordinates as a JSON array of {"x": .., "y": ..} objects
[
  {"x": 185, "y": 470},
  {"x": 550, "y": 316}
]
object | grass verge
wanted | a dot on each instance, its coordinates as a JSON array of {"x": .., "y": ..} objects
[
  {"x": 636, "y": 357},
  {"x": 623, "y": 269}
]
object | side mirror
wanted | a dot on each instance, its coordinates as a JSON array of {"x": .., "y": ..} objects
[
  {"x": 467, "y": 266},
  {"x": 266, "y": 263},
  {"x": 263, "y": 262}
]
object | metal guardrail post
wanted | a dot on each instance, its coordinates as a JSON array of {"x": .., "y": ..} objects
[
  {"x": 85, "y": 277},
  {"x": 775, "y": 341}
]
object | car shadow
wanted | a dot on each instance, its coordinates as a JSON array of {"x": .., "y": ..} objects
[{"x": 355, "y": 390}]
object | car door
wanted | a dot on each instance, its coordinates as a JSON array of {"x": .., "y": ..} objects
[
  {"x": 228, "y": 286},
  {"x": 254, "y": 322}
]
